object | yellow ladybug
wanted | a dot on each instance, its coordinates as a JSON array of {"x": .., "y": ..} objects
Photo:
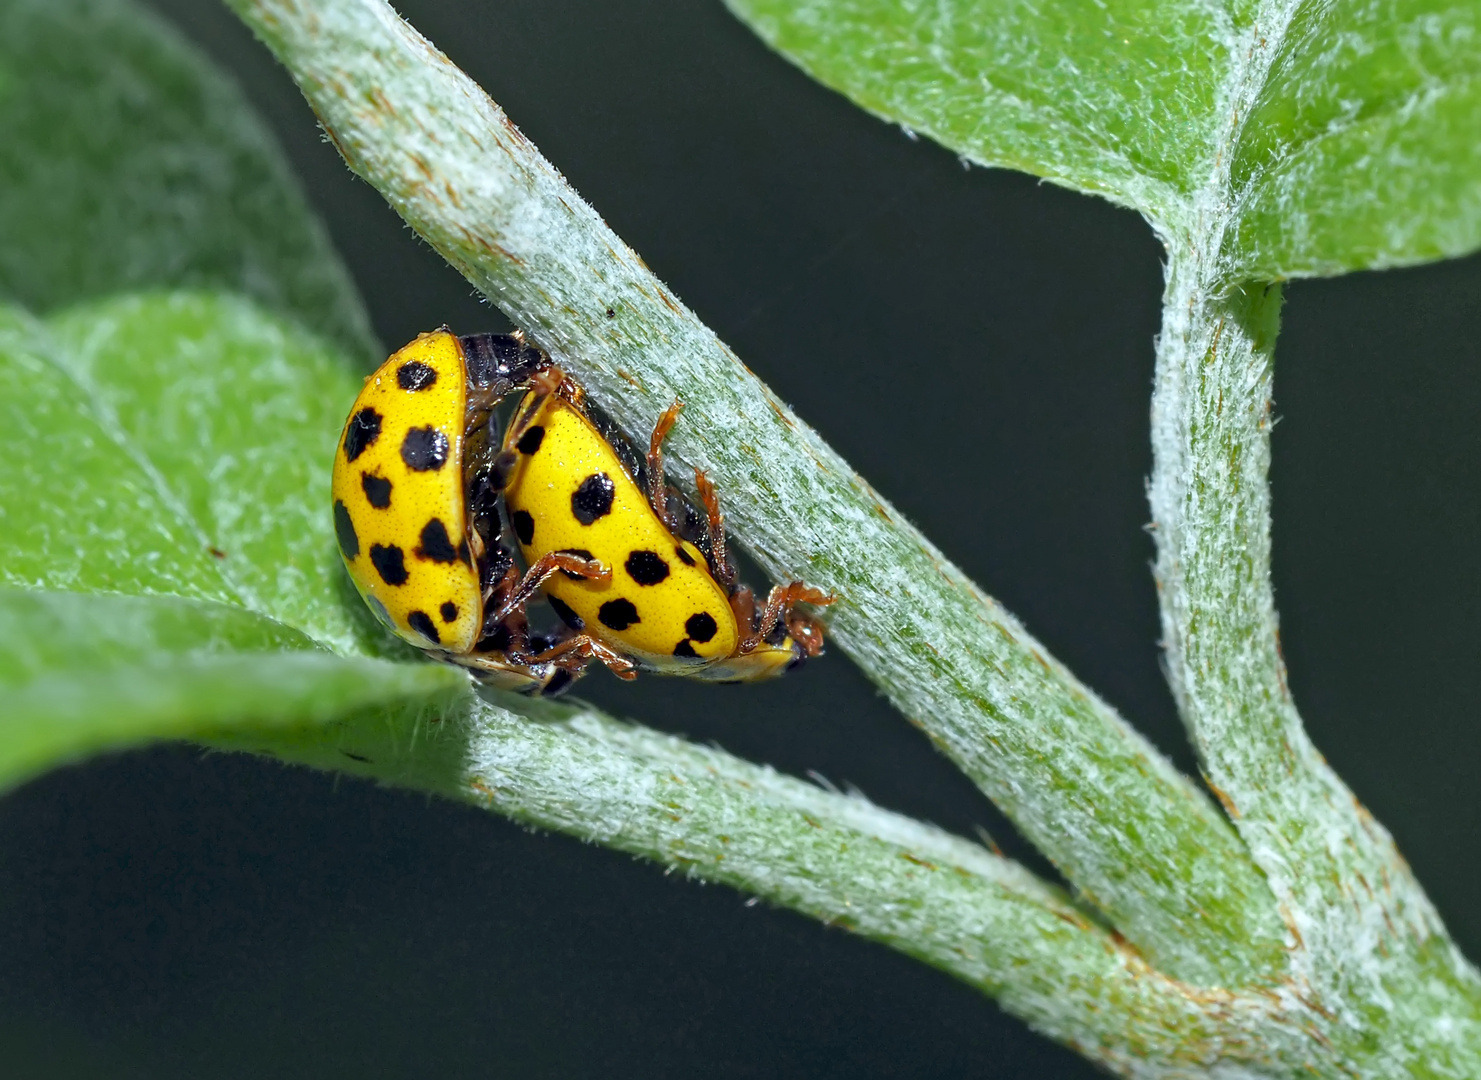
[
  {"x": 669, "y": 601},
  {"x": 416, "y": 510}
]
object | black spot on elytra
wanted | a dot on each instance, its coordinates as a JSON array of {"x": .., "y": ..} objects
[
  {"x": 685, "y": 649},
  {"x": 593, "y": 499},
  {"x": 580, "y": 553},
  {"x": 618, "y": 614},
  {"x": 646, "y": 568},
  {"x": 567, "y": 616},
  {"x": 361, "y": 432},
  {"x": 684, "y": 556},
  {"x": 377, "y": 490},
  {"x": 530, "y": 441},
  {"x": 524, "y": 526},
  {"x": 422, "y": 623},
  {"x": 424, "y": 449},
  {"x": 700, "y": 627},
  {"x": 415, "y": 375},
  {"x": 449, "y": 612},
  {"x": 390, "y": 563},
  {"x": 436, "y": 544},
  {"x": 344, "y": 529}
]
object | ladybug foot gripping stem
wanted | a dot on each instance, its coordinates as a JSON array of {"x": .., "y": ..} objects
[
  {"x": 575, "y": 653},
  {"x": 724, "y": 569},
  {"x": 803, "y": 629}
]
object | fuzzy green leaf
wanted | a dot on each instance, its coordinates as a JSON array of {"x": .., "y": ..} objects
[
  {"x": 1363, "y": 148},
  {"x": 1083, "y": 94},
  {"x": 127, "y": 162},
  {"x": 177, "y": 444},
  {"x": 81, "y": 674},
  {"x": 169, "y": 455},
  {"x": 1310, "y": 139}
]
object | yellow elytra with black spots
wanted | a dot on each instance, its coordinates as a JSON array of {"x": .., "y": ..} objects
[
  {"x": 414, "y": 502},
  {"x": 399, "y": 497},
  {"x": 569, "y": 491}
]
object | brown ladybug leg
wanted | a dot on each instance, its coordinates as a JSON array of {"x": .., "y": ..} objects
[
  {"x": 779, "y": 610},
  {"x": 657, "y": 488},
  {"x": 581, "y": 649},
  {"x": 720, "y": 564},
  {"x": 575, "y": 565}
]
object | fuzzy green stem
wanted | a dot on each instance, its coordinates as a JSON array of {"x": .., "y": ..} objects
[
  {"x": 1387, "y": 991},
  {"x": 1367, "y": 948},
  {"x": 837, "y": 858},
  {"x": 1133, "y": 835}
]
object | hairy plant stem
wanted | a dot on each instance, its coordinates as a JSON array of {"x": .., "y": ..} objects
[
  {"x": 837, "y": 858},
  {"x": 1132, "y": 835},
  {"x": 1370, "y": 960}
]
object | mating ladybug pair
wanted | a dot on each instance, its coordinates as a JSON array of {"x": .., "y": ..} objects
[{"x": 424, "y": 489}]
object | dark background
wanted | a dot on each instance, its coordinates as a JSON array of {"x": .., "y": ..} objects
[{"x": 980, "y": 346}]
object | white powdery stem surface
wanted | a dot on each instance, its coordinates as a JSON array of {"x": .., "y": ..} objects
[
  {"x": 837, "y": 858},
  {"x": 1370, "y": 959}
]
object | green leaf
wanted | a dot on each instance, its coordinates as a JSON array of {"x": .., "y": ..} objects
[
  {"x": 80, "y": 674},
  {"x": 1364, "y": 146},
  {"x": 1298, "y": 138},
  {"x": 1082, "y": 94},
  {"x": 169, "y": 564},
  {"x": 178, "y": 445},
  {"x": 128, "y": 163}
]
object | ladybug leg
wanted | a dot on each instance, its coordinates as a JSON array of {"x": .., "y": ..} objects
[
  {"x": 577, "y": 651},
  {"x": 743, "y": 607},
  {"x": 481, "y": 403},
  {"x": 542, "y": 384},
  {"x": 807, "y": 632},
  {"x": 496, "y": 592},
  {"x": 721, "y": 566},
  {"x": 778, "y": 609},
  {"x": 521, "y": 594},
  {"x": 657, "y": 488}
]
